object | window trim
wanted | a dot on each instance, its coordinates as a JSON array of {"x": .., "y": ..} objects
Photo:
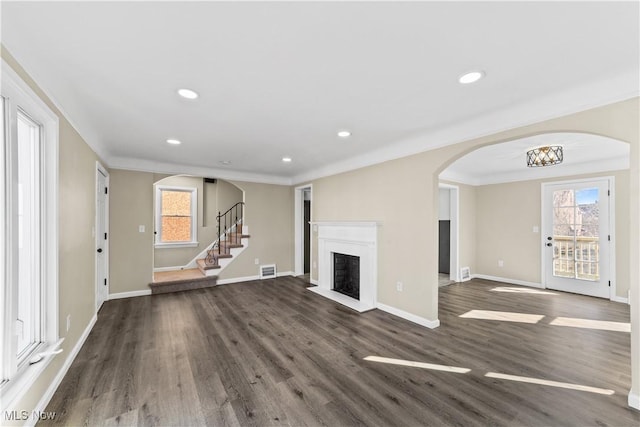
[
  {"x": 159, "y": 244},
  {"x": 17, "y": 380}
]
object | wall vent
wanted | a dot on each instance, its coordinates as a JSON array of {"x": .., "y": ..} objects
[
  {"x": 268, "y": 271},
  {"x": 465, "y": 274}
]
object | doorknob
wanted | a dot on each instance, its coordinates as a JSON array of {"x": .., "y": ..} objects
[
  {"x": 99, "y": 250},
  {"x": 549, "y": 244},
  {"x": 549, "y": 238}
]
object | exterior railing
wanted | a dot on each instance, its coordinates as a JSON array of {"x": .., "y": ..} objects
[{"x": 577, "y": 257}]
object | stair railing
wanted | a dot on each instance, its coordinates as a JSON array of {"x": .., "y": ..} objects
[{"x": 230, "y": 228}]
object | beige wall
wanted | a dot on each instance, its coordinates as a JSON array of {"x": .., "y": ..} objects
[
  {"x": 269, "y": 216},
  {"x": 131, "y": 252},
  {"x": 76, "y": 269},
  {"x": 507, "y": 213},
  {"x": 228, "y": 196}
]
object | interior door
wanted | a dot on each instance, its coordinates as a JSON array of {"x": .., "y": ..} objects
[
  {"x": 577, "y": 237},
  {"x": 102, "y": 288}
]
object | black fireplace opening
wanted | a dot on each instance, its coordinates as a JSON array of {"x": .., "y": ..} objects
[{"x": 346, "y": 275}]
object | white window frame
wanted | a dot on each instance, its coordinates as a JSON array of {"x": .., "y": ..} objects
[
  {"x": 16, "y": 379},
  {"x": 194, "y": 218}
]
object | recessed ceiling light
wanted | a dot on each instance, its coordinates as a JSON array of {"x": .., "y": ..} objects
[
  {"x": 471, "y": 77},
  {"x": 225, "y": 162},
  {"x": 187, "y": 93},
  {"x": 286, "y": 159},
  {"x": 344, "y": 134},
  {"x": 174, "y": 141}
]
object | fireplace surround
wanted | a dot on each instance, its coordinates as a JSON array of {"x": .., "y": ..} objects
[{"x": 356, "y": 239}]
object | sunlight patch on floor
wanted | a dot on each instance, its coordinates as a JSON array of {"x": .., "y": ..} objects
[
  {"x": 413, "y": 364},
  {"x": 540, "y": 381},
  {"x": 591, "y": 324},
  {"x": 522, "y": 291},
  {"x": 505, "y": 316}
]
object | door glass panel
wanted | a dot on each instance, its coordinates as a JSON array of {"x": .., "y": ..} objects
[{"x": 576, "y": 234}]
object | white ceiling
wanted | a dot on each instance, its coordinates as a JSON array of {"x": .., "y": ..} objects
[{"x": 280, "y": 79}]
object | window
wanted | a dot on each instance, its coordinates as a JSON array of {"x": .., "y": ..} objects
[
  {"x": 176, "y": 219},
  {"x": 28, "y": 240}
]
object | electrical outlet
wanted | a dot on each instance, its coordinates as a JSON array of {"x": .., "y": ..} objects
[
  {"x": 68, "y": 322},
  {"x": 500, "y": 263},
  {"x": 141, "y": 229},
  {"x": 399, "y": 286},
  {"x": 257, "y": 261}
]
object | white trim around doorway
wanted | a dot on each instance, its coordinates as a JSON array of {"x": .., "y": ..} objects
[
  {"x": 454, "y": 209},
  {"x": 299, "y": 229},
  {"x": 100, "y": 169}
]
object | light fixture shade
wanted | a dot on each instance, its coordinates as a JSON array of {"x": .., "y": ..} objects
[{"x": 545, "y": 156}]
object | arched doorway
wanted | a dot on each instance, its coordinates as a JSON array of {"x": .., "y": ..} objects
[
  {"x": 514, "y": 217},
  {"x": 618, "y": 122}
]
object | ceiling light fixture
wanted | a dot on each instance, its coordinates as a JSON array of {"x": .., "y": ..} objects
[
  {"x": 225, "y": 162},
  {"x": 471, "y": 77},
  {"x": 174, "y": 141},
  {"x": 187, "y": 93},
  {"x": 344, "y": 134},
  {"x": 545, "y": 156},
  {"x": 286, "y": 159}
]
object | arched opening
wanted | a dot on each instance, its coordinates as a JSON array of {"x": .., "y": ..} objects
[
  {"x": 504, "y": 226},
  {"x": 501, "y": 225},
  {"x": 185, "y": 216}
]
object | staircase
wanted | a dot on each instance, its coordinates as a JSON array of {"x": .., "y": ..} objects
[
  {"x": 232, "y": 239},
  {"x": 220, "y": 253}
]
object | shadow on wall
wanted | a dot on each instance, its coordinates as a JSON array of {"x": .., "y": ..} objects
[{"x": 184, "y": 205}]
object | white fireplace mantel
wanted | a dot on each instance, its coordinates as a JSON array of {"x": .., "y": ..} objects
[{"x": 356, "y": 238}]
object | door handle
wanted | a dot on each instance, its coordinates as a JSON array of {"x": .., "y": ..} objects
[
  {"x": 99, "y": 250},
  {"x": 549, "y": 238},
  {"x": 549, "y": 244}
]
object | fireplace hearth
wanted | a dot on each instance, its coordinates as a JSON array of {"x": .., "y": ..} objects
[{"x": 346, "y": 275}]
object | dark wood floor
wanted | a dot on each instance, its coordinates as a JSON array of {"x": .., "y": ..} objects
[{"x": 271, "y": 353}]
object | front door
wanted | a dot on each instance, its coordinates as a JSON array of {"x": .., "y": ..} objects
[{"x": 577, "y": 237}]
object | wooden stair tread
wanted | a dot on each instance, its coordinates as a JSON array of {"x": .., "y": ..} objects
[{"x": 202, "y": 263}]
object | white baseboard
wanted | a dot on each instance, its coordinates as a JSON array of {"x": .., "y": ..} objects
[
  {"x": 620, "y": 299},
  {"x": 634, "y": 401},
  {"x": 46, "y": 398},
  {"x": 175, "y": 268},
  {"x": 130, "y": 294},
  {"x": 285, "y": 273},
  {"x": 431, "y": 324},
  {"x": 313, "y": 281},
  {"x": 511, "y": 281}
]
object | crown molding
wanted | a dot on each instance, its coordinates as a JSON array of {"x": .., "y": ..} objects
[{"x": 142, "y": 165}]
